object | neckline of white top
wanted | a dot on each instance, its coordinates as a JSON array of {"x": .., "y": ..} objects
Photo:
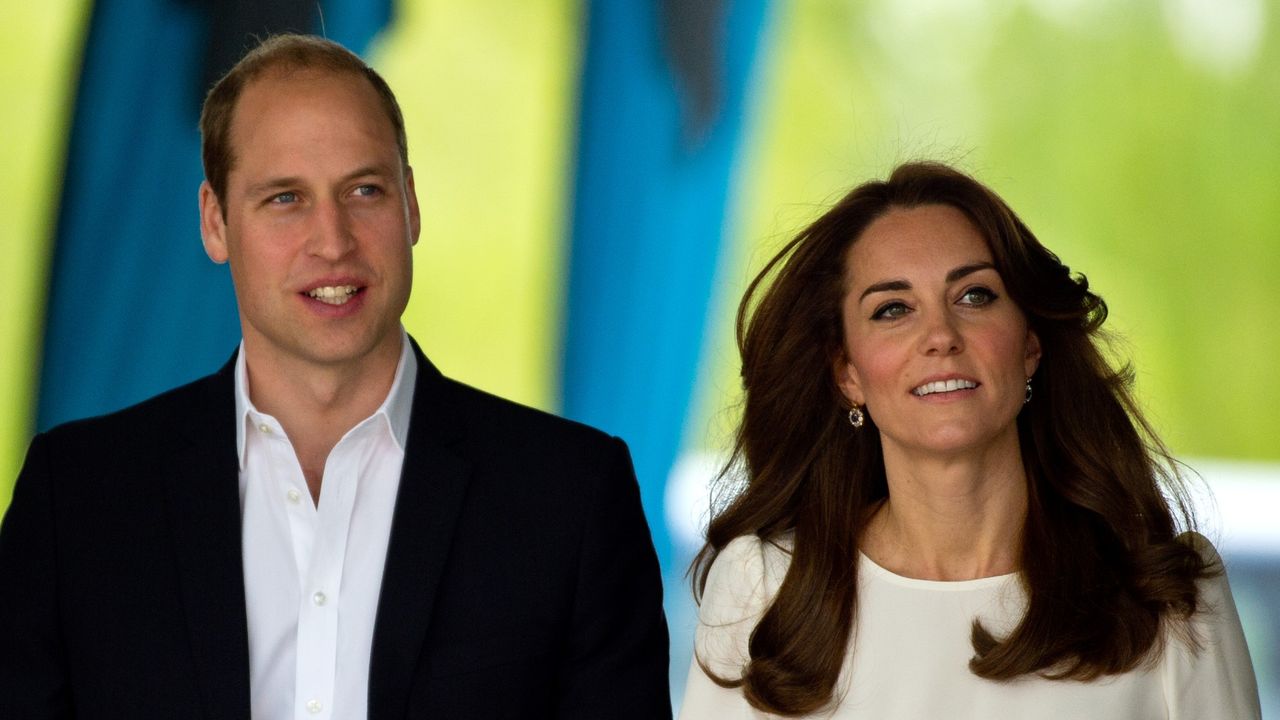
[{"x": 937, "y": 585}]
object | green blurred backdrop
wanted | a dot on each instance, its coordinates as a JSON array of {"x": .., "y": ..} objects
[{"x": 1137, "y": 139}]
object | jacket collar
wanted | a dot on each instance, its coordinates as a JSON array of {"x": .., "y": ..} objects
[
  {"x": 203, "y": 500},
  {"x": 433, "y": 485}
]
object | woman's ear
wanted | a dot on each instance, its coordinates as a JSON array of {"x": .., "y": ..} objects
[
  {"x": 846, "y": 377},
  {"x": 1032, "y": 359}
]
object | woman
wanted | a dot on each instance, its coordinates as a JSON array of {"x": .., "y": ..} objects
[{"x": 952, "y": 506}]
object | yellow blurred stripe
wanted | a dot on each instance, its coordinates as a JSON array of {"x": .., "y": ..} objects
[
  {"x": 488, "y": 90},
  {"x": 40, "y": 47}
]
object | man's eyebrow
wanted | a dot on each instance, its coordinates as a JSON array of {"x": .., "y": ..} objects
[
  {"x": 287, "y": 182},
  {"x": 272, "y": 184},
  {"x": 952, "y": 276},
  {"x": 381, "y": 170}
]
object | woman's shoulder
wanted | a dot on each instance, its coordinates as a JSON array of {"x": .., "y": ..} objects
[
  {"x": 1212, "y": 588},
  {"x": 1214, "y": 603},
  {"x": 1206, "y": 665},
  {"x": 744, "y": 578},
  {"x": 1202, "y": 545},
  {"x": 742, "y": 582}
]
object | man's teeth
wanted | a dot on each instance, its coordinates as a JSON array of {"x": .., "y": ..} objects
[
  {"x": 943, "y": 386},
  {"x": 333, "y": 294}
]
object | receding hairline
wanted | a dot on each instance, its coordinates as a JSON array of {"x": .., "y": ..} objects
[
  {"x": 293, "y": 63},
  {"x": 282, "y": 56},
  {"x": 290, "y": 71}
]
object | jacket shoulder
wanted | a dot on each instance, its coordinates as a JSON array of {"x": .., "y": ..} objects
[{"x": 502, "y": 420}]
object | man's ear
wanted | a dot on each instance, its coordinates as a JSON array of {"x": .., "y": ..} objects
[
  {"x": 1032, "y": 359},
  {"x": 411, "y": 198},
  {"x": 846, "y": 377},
  {"x": 213, "y": 227}
]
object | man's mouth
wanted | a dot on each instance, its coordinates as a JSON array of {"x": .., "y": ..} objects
[
  {"x": 333, "y": 294},
  {"x": 941, "y": 386}
]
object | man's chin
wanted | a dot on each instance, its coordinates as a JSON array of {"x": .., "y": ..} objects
[{"x": 328, "y": 351}]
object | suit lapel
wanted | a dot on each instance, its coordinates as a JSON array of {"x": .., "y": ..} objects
[
  {"x": 433, "y": 484},
  {"x": 203, "y": 501}
]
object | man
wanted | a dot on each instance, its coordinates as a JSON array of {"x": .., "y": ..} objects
[{"x": 327, "y": 527}]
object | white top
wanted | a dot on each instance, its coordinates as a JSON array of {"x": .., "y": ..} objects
[
  {"x": 313, "y": 572},
  {"x": 912, "y": 649}
]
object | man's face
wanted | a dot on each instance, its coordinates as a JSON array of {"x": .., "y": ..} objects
[{"x": 320, "y": 218}]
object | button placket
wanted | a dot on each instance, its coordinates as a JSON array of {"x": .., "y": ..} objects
[{"x": 322, "y": 581}]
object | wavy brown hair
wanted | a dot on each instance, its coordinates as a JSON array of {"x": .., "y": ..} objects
[{"x": 1101, "y": 561}]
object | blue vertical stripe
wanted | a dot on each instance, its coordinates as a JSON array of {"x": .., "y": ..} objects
[
  {"x": 135, "y": 306},
  {"x": 647, "y": 225}
]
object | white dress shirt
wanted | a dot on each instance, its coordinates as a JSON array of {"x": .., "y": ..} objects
[{"x": 313, "y": 571}]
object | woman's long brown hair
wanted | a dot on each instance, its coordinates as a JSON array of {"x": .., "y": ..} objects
[{"x": 1102, "y": 566}]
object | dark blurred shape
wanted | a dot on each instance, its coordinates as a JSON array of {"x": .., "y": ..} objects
[
  {"x": 236, "y": 26},
  {"x": 693, "y": 38}
]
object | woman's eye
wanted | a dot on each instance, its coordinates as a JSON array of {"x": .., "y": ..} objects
[
  {"x": 977, "y": 296},
  {"x": 890, "y": 311}
]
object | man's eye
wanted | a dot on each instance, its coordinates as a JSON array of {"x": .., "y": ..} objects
[
  {"x": 368, "y": 190},
  {"x": 977, "y": 296},
  {"x": 890, "y": 311},
  {"x": 284, "y": 198}
]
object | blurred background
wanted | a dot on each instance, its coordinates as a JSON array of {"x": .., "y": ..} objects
[{"x": 600, "y": 179}]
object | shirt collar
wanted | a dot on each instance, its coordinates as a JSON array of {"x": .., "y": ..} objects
[{"x": 397, "y": 407}]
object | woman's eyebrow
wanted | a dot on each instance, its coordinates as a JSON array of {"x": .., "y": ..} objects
[
  {"x": 885, "y": 286},
  {"x": 952, "y": 276},
  {"x": 969, "y": 269}
]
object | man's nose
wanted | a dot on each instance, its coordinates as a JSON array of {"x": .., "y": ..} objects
[{"x": 331, "y": 234}]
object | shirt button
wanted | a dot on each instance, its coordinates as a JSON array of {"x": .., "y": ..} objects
[
  {"x": 319, "y": 598},
  {"x": 264, "y": 428},
  {"x": 314, "y": 706},
  {"x": 294, "y": 496}
]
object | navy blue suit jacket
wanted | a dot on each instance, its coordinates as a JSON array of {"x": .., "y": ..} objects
[{"x": 520, "y": 578}]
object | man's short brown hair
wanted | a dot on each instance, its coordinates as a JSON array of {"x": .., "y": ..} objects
[{"x": 280, "y": 52}]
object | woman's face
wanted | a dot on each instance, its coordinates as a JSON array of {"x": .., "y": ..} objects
[{"x": 934, "y": 347}]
